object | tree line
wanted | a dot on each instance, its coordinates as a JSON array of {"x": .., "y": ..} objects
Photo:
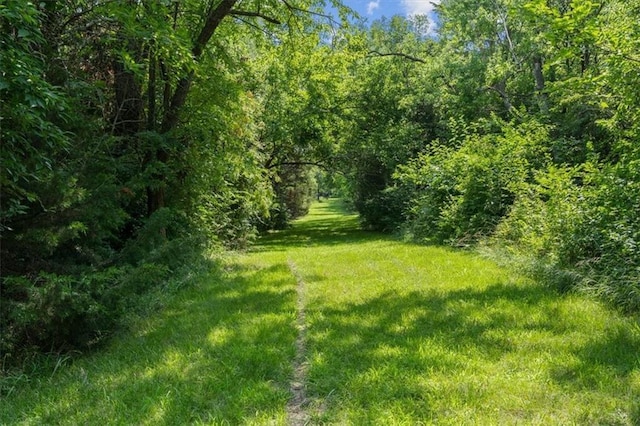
[{"x": 140, "y": 136}]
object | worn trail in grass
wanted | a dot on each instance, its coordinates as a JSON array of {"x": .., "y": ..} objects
[
  {"x": 405, "y": 334},
  {"x": 328, "y": 324}
]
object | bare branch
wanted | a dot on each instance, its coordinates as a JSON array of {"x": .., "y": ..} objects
[
  {"x": 298, "y": 163},
  {"x": 512, "y": 49},
  {"x": 402, "y": 55}
]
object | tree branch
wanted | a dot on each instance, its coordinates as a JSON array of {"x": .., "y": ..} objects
[
  {"x": 297, "y": 9},
  {"x": 402, "y": 55},
  {"x": 619, "y": 54},
  {"x": 499, "y": 88},
  {"x": 214, "y": 19},
  {"x": 298, "y": 163},
  {"x": 263, "y": 30},
  {"x": 235, "y": 12},
  {"x": 80, "y": 13}
]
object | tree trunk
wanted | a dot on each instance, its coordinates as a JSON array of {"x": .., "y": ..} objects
[
  {"x": 170, "y": 120},
  {"x": 156, "y": 193},
  {"x": 179, "y": 97},
  {"x": 586, "y": 60},
  {"x": 543, "y": 100},
  {"x": 151, "y": 95},
  {"x": 129, "y": 105},
  {"x": 155, "y": 199}
]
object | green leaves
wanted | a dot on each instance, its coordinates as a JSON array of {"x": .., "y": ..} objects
[
  {"x": 30, "y": 112},
  {"x": 462, "y": 193}
]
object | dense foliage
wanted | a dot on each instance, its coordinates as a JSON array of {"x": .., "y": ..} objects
[
  {"x": 137, "y": 136},
  {"x": 516, "y": 125}
]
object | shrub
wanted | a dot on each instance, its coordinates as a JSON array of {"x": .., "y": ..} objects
[
  {"x": 461, "y": 194},
  {"x": 50, "y": 312},
  {"x": 581, "y": 226},
  {"x": 77, "y": 306}
]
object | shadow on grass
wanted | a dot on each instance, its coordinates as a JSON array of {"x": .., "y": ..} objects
[
  {"x": 355, "y": 332},
  {"x": 222, "y": 353},
  {"x": 395, "y": 353},
  {"x": 617, "y": 354}
]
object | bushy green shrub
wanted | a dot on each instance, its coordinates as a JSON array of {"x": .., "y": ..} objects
[
  {"x": 81, "y": 303},
  {"x": 51, "y": 312},
  {"x": 545, "y": 212},
  {"x": 461, "y": 194},
  {"x": 581, "y": 228}
]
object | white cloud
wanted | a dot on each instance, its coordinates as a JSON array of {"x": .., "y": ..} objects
[
  {"x": 373, "y": 5},
  {"x": 422, "y": 7},
  {"x": 419, "y": 7}
]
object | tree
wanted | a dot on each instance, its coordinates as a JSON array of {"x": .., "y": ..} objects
[
  {"x": 299, "y": 85},
  {"x": 130, "y": 144},
  {"x": 390, "y": 116},
  {"x": 31, "y": 113}
]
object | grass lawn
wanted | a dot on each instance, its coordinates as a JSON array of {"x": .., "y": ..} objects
[{"x": 393, "y": 333}]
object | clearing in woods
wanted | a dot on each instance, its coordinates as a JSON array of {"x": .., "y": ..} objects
[{"x": 327, "y": 324}]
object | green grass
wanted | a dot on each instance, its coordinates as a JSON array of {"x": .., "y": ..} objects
[
  {"x": 218, "y": 353},
  {"x": 395, "y": 334}
]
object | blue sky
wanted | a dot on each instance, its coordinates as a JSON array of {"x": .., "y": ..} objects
[{"x": 376, "y": 9}]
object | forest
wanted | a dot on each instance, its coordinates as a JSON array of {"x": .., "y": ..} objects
[{"x": 138, "y": 137}]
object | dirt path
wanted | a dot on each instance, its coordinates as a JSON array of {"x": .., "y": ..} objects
[{"x": 297, "y": 414}]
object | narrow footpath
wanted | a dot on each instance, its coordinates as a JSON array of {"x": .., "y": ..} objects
[{"x": 296, "y": 408}]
